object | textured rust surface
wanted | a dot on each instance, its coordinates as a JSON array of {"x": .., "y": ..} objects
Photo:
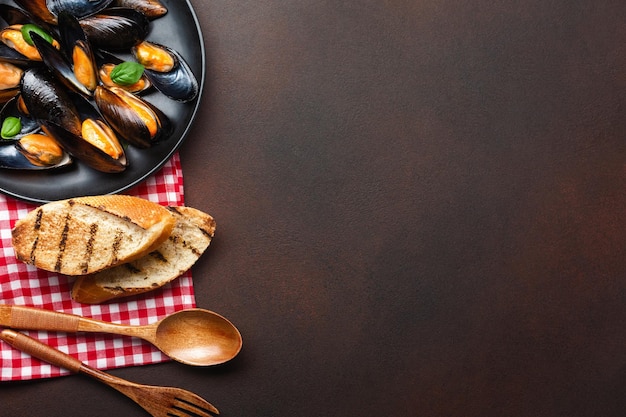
[{"x": 420, "y": 212}]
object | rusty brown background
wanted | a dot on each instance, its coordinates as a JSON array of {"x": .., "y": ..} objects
[{"x": 420, "y": 209}]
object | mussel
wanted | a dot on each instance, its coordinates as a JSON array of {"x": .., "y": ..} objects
[
  {"x": 13, "y": 37},
  {"x": 103, "y": 154},
  {"x": 41, "y": 149},
  {"x": 154, "y": 56},
  {"x": 167, "y": 70},
  {"x": 97, "y": 145},
  {"x": 33, "y": 152},
  {"x": 74, "y": 64},
  {"x": 134, "y": 119},
  {"x": 13, "y": 109},
  {"x": 10, "y": 76},
  {"x": 8, "y": 54},
  {"x": 12, "y": 15},
  {"x": 47, "y": 99},
  {"x": 48, "y": 10},
  {"x": 152, "y": 9},
  {"x": 15, "y": 48},
  {"x": 106, "y": 63},
  {"x": 116, "y": 28}
]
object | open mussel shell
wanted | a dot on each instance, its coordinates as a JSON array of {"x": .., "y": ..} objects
[
  {"x": 46, "y": 98},
  {"x": 48, "y": 10},
  {"x": 16, "y": 16},
  {"x": 10, "y": 76},
  {"x": 178, "y": 82},
  {"x": 12, "y": 109},
  {"x": 12, "y": 156},
  {"x": 8, "y": 54},
  {"x": 74, "y": 63},
  {"x": 13, "y": 48},
  {"x": 152, "y": 9},
  {"x": 98, "y": 145},
  {"x": 13, "y": 16},
  {"x": 41, "y": 149},
  {"x": 79, "y": 148},
  {"x": 7, "y": 94},
  {"x": 12, "y": 37},
  {"x": 106, "y": 62},
  {"x": 116, "y": 28},
  {"x": 64, "y": 69},
  {"x": 137, "y": 121}
]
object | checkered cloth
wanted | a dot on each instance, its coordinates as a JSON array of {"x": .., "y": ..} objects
[{"x": 22, "y": 284}]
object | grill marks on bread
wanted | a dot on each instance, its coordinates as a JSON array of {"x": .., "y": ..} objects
[
  {"x": 189, "y": 239},
  {"x": 74, "y": 238},
  {"x": 79, "y": 231},
  {"x": 36, "y": 227}
]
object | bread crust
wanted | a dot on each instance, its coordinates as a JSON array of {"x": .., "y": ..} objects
[
  {"x": 189, "y": 239},
  {"x": 85, "y": 235}
]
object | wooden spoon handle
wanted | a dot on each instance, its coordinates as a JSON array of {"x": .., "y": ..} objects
[
  {"x": 31, "y": 318},
  {"x": 40, "y": 350}
]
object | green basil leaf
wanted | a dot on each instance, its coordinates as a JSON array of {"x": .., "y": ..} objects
[
  {"x": 127, "y": 73},
  {"x": 11, "y": 126},
  {"x": 29, "y": 27}
]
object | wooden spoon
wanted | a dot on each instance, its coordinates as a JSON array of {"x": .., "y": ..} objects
[{"x": 194, "y": 336}]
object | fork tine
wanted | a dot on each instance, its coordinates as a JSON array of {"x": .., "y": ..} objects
[{"x": 198, "y": 407}]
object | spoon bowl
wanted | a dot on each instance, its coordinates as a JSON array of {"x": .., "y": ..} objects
[{"x": 198, "y": 337}]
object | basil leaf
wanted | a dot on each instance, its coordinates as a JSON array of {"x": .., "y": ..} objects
[
  {"x": 127, "y": 73},
  {"x": 11, "y": 126},
  {"x": 29, "y": 27}
]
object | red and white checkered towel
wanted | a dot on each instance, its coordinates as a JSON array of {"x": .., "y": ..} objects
[{"x": 22, "y": 284}]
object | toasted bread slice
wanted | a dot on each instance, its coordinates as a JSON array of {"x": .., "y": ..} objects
[
  {"x": 191, "y": 236},
  {"x": 84, "y": 235}
]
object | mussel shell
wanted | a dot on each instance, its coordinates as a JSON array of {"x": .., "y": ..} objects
[
  {"x": 80, "y": 149},
  {"x": 7, "y": 94},
  {"x": 10, "y": 109},
  {"x": 14, "y": 16},
  {"x": 47, "y": 99},
  {"x": 38, "y": 9},
  {"x": 12, "y": 158},
  {"x": 85, "y": 108},
  {"x": 77, "y": 8},
  {"x": 104, "y": 58},
  {"x": 48, "y": 10},
  {"x": 58, "y": 63},
  {"x": 9, "y": 81},
  {"x": 41, "y": 149},
  {"x": 10, "y": 55},
  {"x": 179, "y": 83},
  {"x": 70, "y": 33},
  {"x": 116, "y": 28},
  {"x": 125, "y": 121},
  {"x": 152, "y": 9}
]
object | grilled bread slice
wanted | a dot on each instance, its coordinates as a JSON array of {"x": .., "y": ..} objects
[
  {"x": 191, "y": 236},
  {"x": 84, "y": 235}
]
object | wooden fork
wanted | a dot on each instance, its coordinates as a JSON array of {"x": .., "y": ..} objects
[{"x": 158, "y": 401}]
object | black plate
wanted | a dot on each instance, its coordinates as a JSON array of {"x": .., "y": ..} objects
[{"x": 178, "y": 29}]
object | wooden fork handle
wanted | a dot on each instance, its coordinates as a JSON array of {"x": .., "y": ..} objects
[
  {"x": 40, "y": 350},
  {"x": 52, "y": 355}
]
